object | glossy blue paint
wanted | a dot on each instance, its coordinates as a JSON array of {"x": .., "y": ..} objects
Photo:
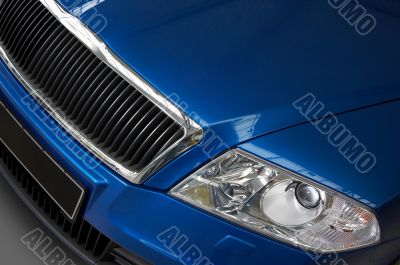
[
  {"x": 231, "y": 59},
  {"x": 130, "y": 214},
  {"x": 237, "y": 67},
  {"x": 134, "y": 216},
  {"x": 377, "y": 128},
  {"x": 315, "y": 158}
]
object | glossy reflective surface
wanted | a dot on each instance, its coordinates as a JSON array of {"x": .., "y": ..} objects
[
  {"x": 192, "y": 131},
  {"x": 313, "y": 156},
  {"x": 238, "y": 66}
]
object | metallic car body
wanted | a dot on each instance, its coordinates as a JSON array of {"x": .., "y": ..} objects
[{"x": 236, "y": 67}]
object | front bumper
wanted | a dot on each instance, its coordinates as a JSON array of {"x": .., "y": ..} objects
[
  {"x": 16, "y": 222},
  {"x": 134, "y": 216}
]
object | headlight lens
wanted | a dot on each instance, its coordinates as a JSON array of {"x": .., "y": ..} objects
[{"x": 280, "y": 204}]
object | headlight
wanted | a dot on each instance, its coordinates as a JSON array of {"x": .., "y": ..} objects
[{"x": 256, "y": 194}]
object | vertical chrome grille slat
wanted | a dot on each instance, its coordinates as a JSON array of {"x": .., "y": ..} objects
[
  {"x": 57, "y": 66},
  {"x": 177, "y": 134},
  {"x": 138, "y": 107},
  {"x": 107, "y": 89},
  {"x": 64, "y": 49},
  {"x": 87, "y": 91},
  {"x": 123, "y": 108},
  {"x": 81, "y": 85},
  {"x": 23, "y": 27},
  {"x": 151, "y": 137},
  {"x": 37, "y": 60},
  {"x": 103, "y": 107},
  {"x": 51, "y": 55},
  {"x": 121, "y": 123},
  {"x": 29, "y": 34},
  {"x": 89, "y": 106},
  {"x": 15, "y": 20},
  {"x": 36, "y": 43},
  {"x": 88, "y": 85},
  {"x": 128, "y": 132},
  {"x": 158, "y": 143},
  {"x": 75, "y": 83},
  {"x": 70, "y": 78},
  {"x": 7, "y": 14},
  {"x": 148, "y": 126},
  {"x": 65, "y": 75},
  {"x": 112, "y": 105},
  {"x": 2, "y": 7}
]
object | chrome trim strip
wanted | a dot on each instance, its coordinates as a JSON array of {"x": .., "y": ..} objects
[{"x": 193, "y": 132}]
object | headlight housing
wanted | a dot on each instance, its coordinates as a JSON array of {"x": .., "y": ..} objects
[{"x": 275, "y": 202}]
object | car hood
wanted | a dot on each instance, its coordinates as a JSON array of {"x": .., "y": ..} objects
[
  {"x": 321, "y": 159},
  {"x": 238, "y": 66}
]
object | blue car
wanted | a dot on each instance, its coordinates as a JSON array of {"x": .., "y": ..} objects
[{"x": 204, "y": 132}]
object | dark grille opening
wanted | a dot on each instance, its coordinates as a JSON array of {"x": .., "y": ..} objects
[
  {"x": 87, "y": 238},
  {"x": 106, "y": 109}
]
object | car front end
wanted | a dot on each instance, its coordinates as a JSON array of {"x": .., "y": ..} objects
[{"x": 199, "y": 133}]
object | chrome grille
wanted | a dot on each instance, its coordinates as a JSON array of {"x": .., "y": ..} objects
[{"x": 108, "y": 113}]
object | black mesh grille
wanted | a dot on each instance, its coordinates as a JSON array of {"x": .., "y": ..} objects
[
  {"x": 105, "y": 108},
  {"x": 81, "y": 231},
  {"x": 86, "y": 238}
]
